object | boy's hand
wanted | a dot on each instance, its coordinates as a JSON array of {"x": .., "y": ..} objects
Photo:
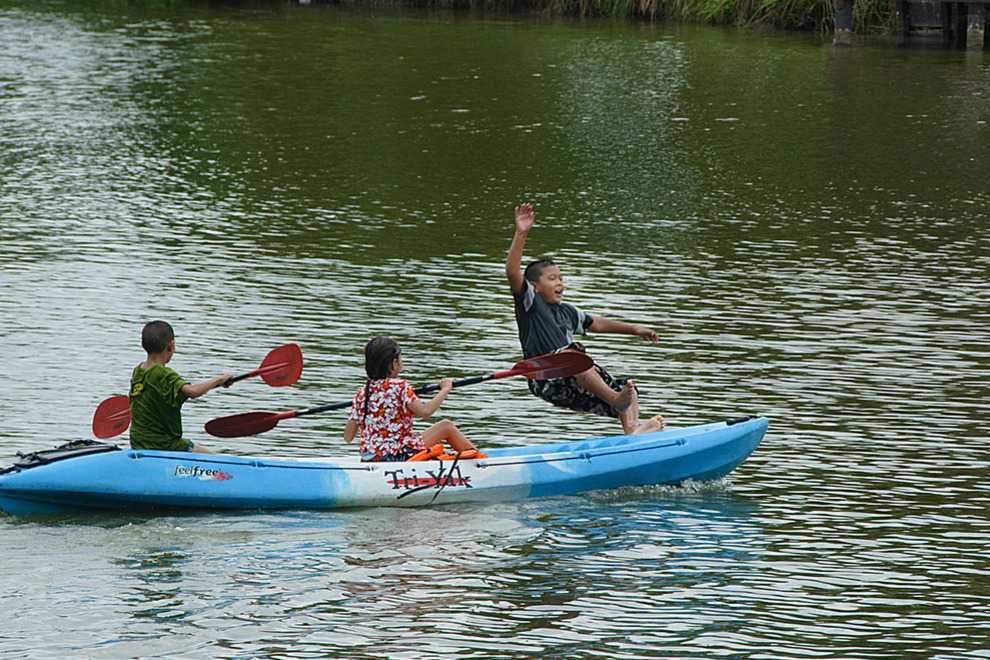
[
  {"x": 446, "y": 385},
  {"x": 524, "y": 218},
  {"x": 648, "y": 334}
]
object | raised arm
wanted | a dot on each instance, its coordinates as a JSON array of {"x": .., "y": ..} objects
[
  {"x": 513, "y": 260},
  {"x": 602, "y": 324}
]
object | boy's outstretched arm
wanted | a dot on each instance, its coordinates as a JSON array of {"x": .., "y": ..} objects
[
  {"x": 202, "y": 387},
  {"x": 602, "y": 324},
  {"x": 513, "y": 260}
]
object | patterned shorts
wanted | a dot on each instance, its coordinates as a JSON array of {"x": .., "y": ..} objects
[
  {"x": 566, "y": 393},
  {"x": 401, "y": 457}
]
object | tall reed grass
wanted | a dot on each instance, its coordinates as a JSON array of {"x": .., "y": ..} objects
[{"x": 868, "y": 15}]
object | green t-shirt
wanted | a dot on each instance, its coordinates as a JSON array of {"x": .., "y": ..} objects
[{"x": 156, "y": 409}]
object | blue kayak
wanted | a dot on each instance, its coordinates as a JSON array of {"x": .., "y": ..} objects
[{"x": 90, "y": 476}]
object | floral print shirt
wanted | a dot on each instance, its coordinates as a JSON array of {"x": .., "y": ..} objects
[{"x": 387, "y": 429}]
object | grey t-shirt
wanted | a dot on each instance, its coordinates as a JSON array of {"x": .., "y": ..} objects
[{"x": 544, "y": 328}]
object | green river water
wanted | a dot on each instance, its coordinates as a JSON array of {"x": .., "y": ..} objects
[{"x": 805, "y": 227}]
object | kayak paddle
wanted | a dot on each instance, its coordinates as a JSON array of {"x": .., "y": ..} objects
[
  {"x": 561, "y": 364},
  {"x": 112, "y": 417},
  {"x": 282, "y": 366}
]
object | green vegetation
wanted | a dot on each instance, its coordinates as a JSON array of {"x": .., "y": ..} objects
[{"x": 869, "y": 15}]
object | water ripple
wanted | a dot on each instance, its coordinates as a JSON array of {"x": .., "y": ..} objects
[{"x": 276, "y": 174}]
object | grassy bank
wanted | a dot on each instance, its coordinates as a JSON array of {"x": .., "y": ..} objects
[{"x": 868, "y": 15}]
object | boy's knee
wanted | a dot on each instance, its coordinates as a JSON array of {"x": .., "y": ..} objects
[{"x": 587, "y": 374}]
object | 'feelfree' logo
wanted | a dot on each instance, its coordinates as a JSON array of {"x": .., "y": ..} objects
[{"x": 204, "y": 474}]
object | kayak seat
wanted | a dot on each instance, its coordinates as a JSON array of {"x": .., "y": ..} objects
[
  {"x": 436, "y": 452},
  {"x": 426, "y": 454},
  {"x": 464, "y": 456}
]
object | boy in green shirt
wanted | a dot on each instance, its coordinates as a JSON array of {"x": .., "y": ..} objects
[{"x": 157, "y": 394}]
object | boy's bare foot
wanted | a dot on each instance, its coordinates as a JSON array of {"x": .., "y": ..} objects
[
  {"x": 654, "y": 423},
  {"x": 625, "y": 398}
]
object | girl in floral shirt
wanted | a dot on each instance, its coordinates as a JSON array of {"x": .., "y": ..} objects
[{"x": 382, "y": 411}]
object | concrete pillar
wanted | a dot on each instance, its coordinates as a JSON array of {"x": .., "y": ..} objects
[
  {"x": 843, "y": 23},
  {"x": 902, "y": 20},
  {"x": 975, "y": 26},
  {"x": 947, "y": 24}
]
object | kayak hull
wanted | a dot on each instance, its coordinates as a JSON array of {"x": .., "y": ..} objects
[{"x": 112, "y": 479}]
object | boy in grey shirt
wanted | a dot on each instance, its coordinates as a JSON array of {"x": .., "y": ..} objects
[{"x": 547, "y": 324}]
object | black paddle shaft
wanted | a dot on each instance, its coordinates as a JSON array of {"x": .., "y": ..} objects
[
  {"x": 473, "y": 380},
  {"x": 425, "y": 389}
]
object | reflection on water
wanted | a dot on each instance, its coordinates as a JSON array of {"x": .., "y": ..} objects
[
  {"x": 160, "y": 576},
  {"x": 556, "y": 576},
  {"x": 804, "y": 227}
]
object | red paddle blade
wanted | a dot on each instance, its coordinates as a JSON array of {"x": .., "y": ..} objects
[
  {"x": 244, "y": 424},
  {"x": 112, "y": 417},
  {"x": 561, "y": 364},
  {"x": 282, "y": 366}
]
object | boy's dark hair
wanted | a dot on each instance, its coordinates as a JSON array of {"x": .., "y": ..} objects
[
  {"x": 156, "y": 336},
  {"x": 535, "y": 269},
  {"x": 379, "y": 353}
]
